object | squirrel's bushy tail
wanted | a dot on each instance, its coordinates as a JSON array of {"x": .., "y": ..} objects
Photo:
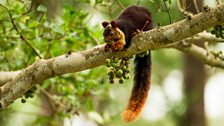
[{"x": 140, "y": 89}]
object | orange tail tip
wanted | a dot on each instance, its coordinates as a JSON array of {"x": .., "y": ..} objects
[
  {"x": 129, "y": 115},
  {"x": 133, "y": 110}
]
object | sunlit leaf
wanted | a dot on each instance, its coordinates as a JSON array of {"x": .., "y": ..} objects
[
  {"x": 41, "y": 8},
  {"x": 86, "y": 32},
  {"x": 89, "y": 104},
  {"x": 69, "y": 39},
  {"x": 24, "y": 19},
  {"x": 33, "y": 24}
]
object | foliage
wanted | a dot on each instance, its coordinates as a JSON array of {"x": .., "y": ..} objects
[
  {"x": 28, "y": 33},
  {"x": 22, "y": 26}
]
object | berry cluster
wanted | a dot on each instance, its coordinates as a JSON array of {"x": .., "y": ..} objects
[
  {"x": 29, "y": 94},
  {"x": 218, "y": 31},
  {"x": 119, "y": 71}
]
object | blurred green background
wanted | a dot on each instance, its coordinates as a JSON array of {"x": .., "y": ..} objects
[{"x": 184, "y": 92}]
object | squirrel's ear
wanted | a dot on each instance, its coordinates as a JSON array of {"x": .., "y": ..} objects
[
  {"x": 105, "y": 24},
  {"x": 113, "y": 24}
]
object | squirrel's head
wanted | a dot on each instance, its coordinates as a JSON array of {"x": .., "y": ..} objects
[{"x": 111, "y": 32}]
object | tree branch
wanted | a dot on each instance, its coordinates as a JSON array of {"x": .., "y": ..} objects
[
  {"x": 74, "y": 62},
  {"x": 6, "y": 76},
  {"x": 218, "y": 2},
  {"x": 200, "y": 37},
  {"x": 206, "y": 37},
  {"x": 202, "y": 54}
]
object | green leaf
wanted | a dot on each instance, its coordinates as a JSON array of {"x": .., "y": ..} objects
[
  {"x": 41, "y": 8},
  {"x": 24, "y": 18},
  {"x": 70, "y": 40},
  {"x": 83, "y": 15},
  {"x": 86, "y": 32},
  {"x": 57, "y": 28},
  {"x": 33, "y": 24},
  {"x": 170, "y": 1},
  {"x": 89, "y": 104}
]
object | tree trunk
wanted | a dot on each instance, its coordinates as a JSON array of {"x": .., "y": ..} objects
[{"x": 194, "y": 81}]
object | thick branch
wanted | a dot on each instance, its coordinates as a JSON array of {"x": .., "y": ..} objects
[
  {"x": 200, "y": 37},
  {"x": 154, "y": 39},
  {"x": 6, "y": 76},
  {"x": 179, "y": 30}
]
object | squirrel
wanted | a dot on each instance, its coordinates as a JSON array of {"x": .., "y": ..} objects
[{"x": 117, "y": 36}]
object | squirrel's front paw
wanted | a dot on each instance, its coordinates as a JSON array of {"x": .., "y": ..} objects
[
  {"x": 107, "y": 47},
  {"x": 117, "y": 46}
]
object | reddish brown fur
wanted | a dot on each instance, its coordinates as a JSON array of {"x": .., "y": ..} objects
[
  {"x": 120, "y": 32},
  {"x": 117, "y": 46},
  {"x": 136, "y": 102}
]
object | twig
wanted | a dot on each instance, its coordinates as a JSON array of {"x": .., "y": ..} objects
[
  {"x": 110, "y": 9},
  {"x": 18, "y": 32},
  {"x": 94, "y": 38},
  {"x": 48, "y": 54},
  {"x": 54, "y": 103},
  {"x": 181, "y": 4},
  {"x": 138, "y": 2},
  {"x": 202, "y": 54},
  {"x": 196, "y": 6},
  {"x": 30, "y": 9},
  {"x": 145, "y": 25},
  {"x": 164, "y": 2},
  {"x": 182, "y": 7},
  {"x": 218, "y": 2},
  {"x": 120, "y": 4}
]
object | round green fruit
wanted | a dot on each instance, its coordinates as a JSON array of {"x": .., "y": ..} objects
[{"x": 23, "y": 100}]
